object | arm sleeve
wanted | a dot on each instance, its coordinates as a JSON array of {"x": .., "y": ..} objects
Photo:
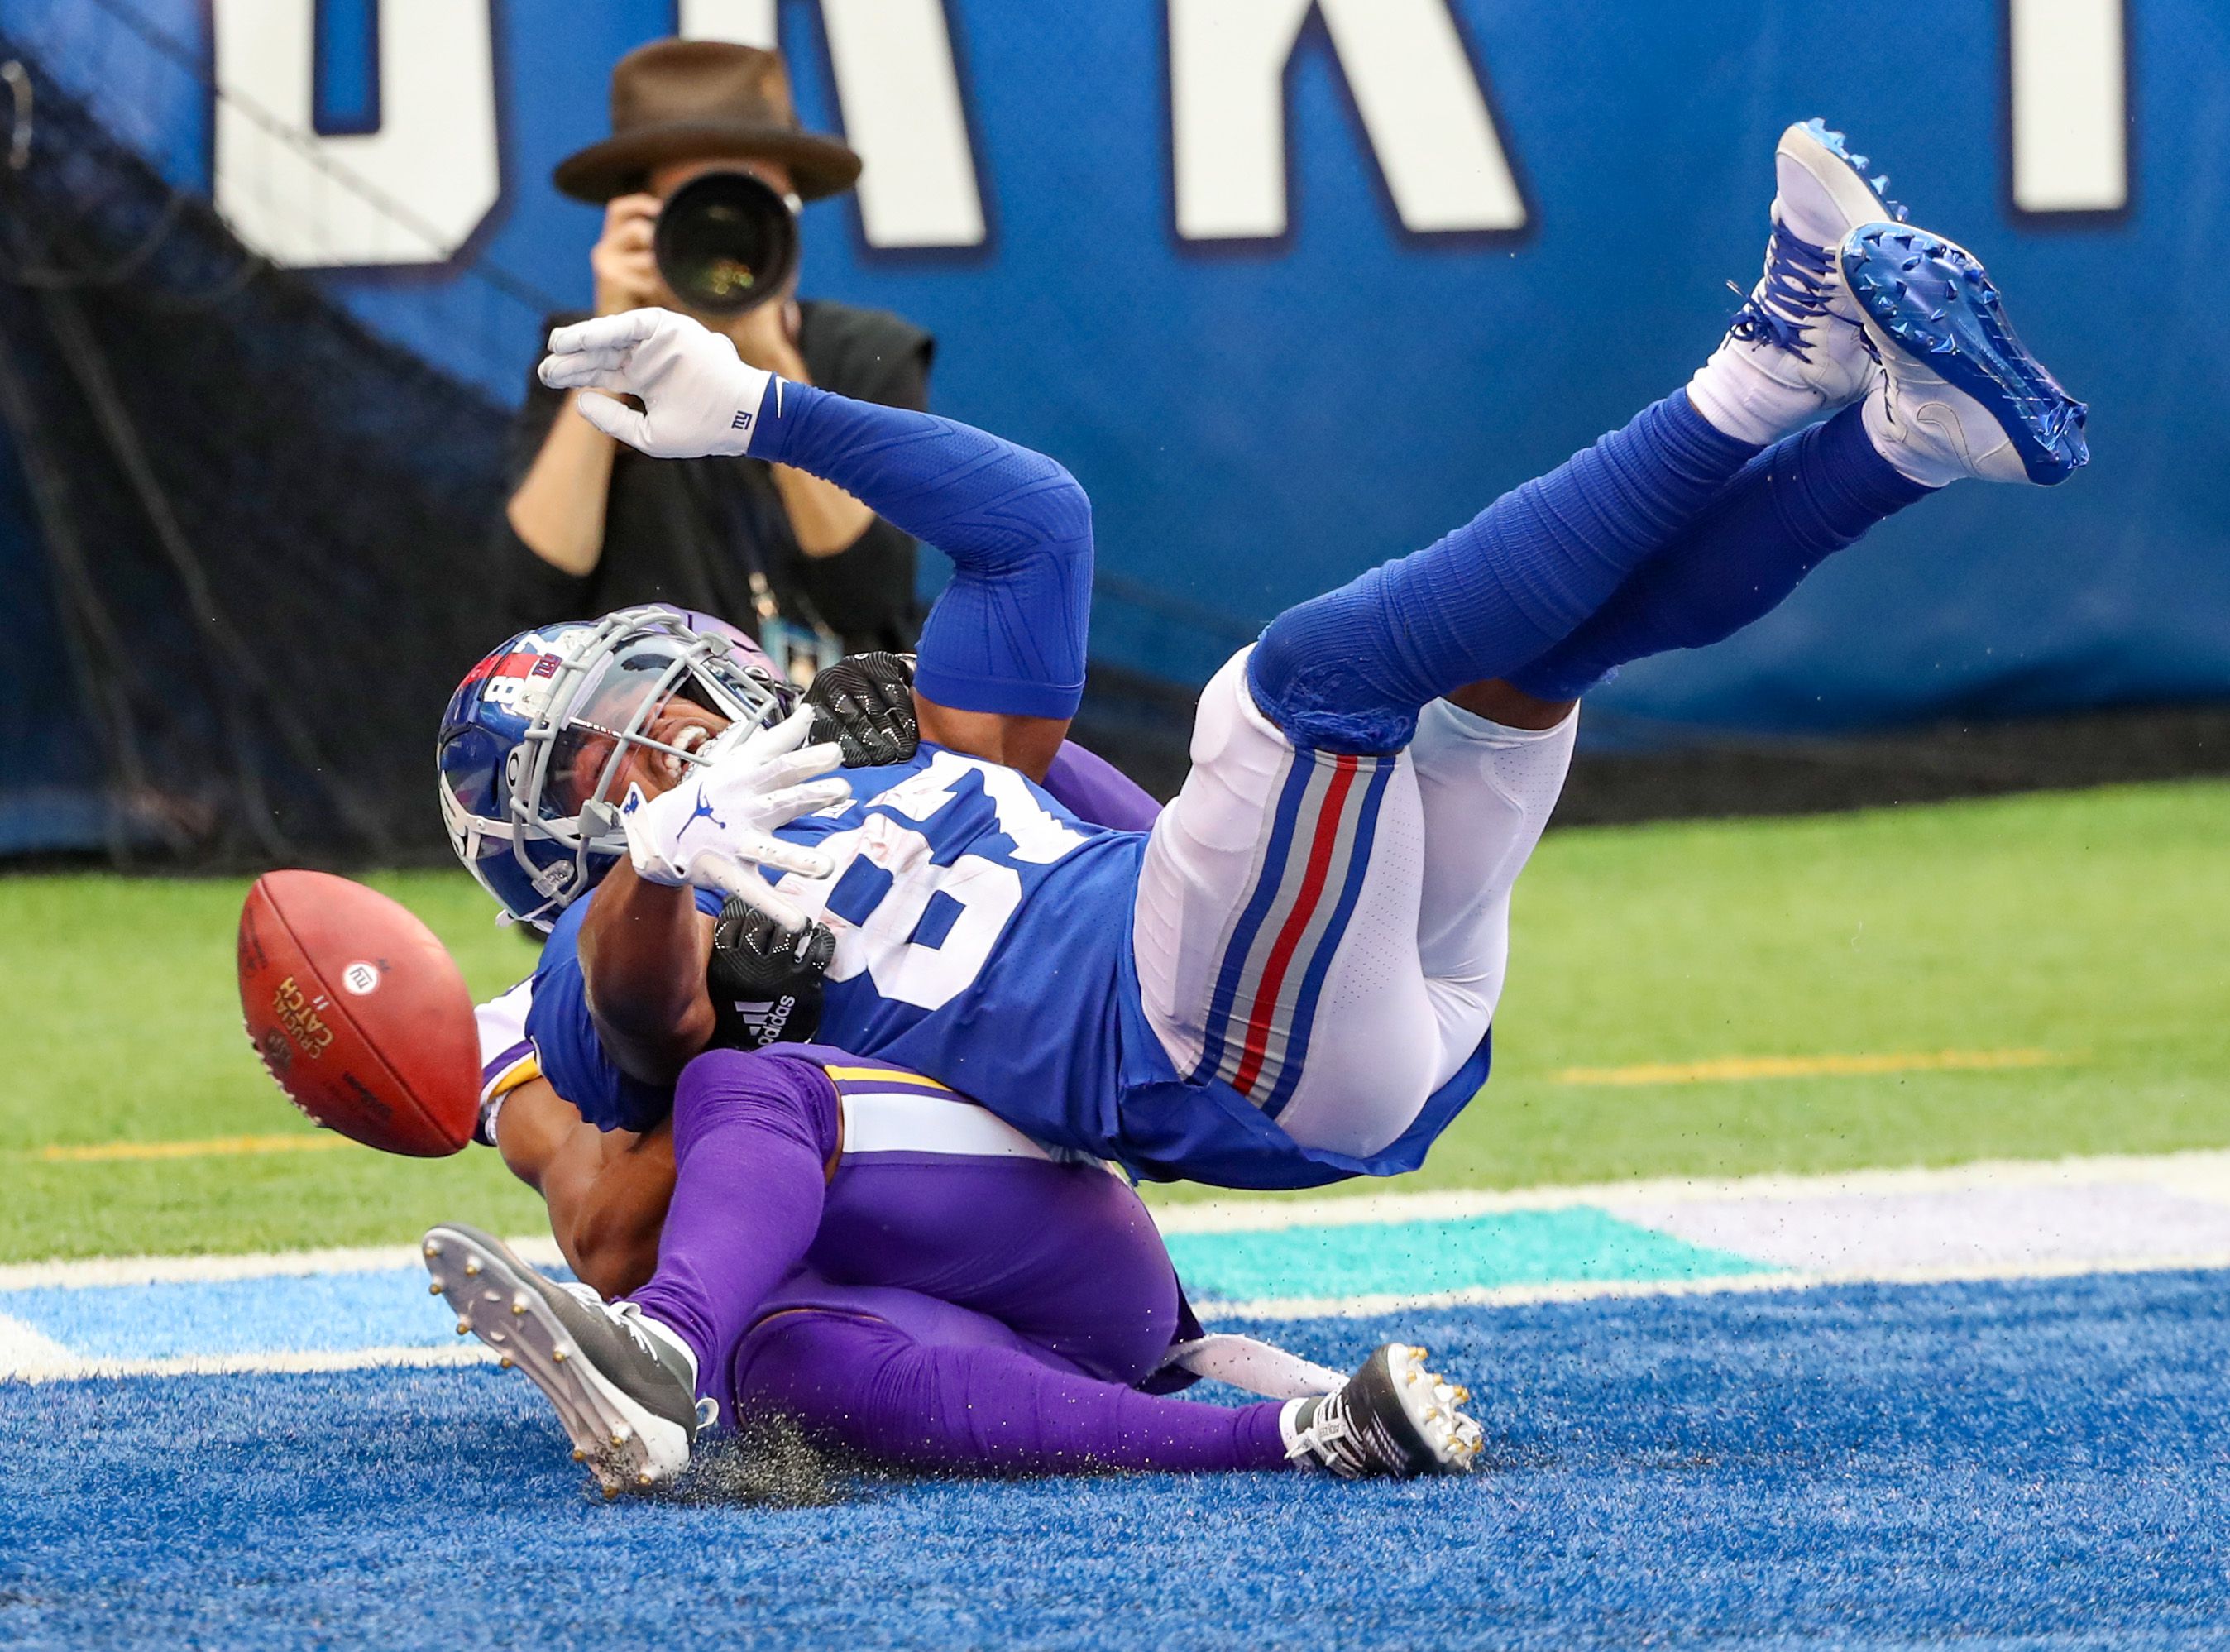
[
  {"x": 866, "y": 592},
  {"x": 1007, "y": 635},
  {"x": 1099, "y": 793}
]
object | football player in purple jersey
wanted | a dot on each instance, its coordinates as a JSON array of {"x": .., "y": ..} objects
[{"x": 861, "y": 1251}]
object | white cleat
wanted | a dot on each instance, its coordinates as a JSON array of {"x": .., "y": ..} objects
[
  {"x": 1799, "y": 331},
  {"x": 623, "y": 1390}
]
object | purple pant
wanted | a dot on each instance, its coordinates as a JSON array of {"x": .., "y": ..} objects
[
  {"x": 917, "y": 1382},
  {"x": 929, "y": 1310}
]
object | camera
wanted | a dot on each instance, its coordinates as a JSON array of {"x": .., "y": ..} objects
[{"x": 725, "y": 242}]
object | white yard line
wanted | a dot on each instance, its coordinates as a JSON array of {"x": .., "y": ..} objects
[
  {"x": 542, "y": 1250},
  {"x": 24, "y": 1348},
  {"x": 2203, "y": 1175},
  {"x": 65, "y": 1366},
  {"x": 27, "y": 1357},
  {"x": 1370, "y": 1307}
]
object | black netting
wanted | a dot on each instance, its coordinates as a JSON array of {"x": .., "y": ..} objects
[{"x": 265, "y": 529}]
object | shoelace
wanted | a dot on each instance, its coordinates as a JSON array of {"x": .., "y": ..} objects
[
  {"x": 1336, "y": 1442},
  {"x": 627, "y": 1316},
  {"x": 1793, "y": 295}
]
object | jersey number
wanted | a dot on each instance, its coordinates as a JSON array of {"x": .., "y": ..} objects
[{"x": 932, "y": 929}]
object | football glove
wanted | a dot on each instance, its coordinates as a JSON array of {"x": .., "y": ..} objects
[
  {"x": 765, "y": 985},
  {"x": 699, "y": 397},
  {"x": 865, "y": 703},
  {"x": 715, "y": 830}
]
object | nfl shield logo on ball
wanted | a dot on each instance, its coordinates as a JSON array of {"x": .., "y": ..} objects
[{"x": 360, "y": 979}]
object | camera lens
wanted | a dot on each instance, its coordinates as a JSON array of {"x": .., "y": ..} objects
[{"x": 725, "y": 242}]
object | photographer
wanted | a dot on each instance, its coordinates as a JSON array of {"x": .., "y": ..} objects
[{"x": 590, "y": 527}]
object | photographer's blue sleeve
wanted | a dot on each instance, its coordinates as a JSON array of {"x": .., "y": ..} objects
[{"x": 1007, "y": 635}]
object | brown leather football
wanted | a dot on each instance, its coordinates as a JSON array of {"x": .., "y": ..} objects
[{"x": 359, "y": 1013}]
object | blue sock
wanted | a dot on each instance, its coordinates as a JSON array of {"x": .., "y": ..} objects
[
  {"x": 1350, "y": 670},
  {"x": 1793, "y": 506}
]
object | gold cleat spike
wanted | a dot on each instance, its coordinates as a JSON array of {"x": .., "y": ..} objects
[
  {"x": 619, "y": 1436},
  {"x": 433, "y": 1289},
  {"x": 1462, "y": 1394},
  {"x": 643, "y": 1478},
  {"x": 472, "y": 1268},
  {"x": 464, "y": 1328},
  {"x": 558, "y": 1355},
  {"x": 506, "y": 1362},
  {"x": 518, "y": 1304},
  {"x": 579, "y": 1455},
  {"x": 610, "y": 1491},
  {"x": 1416, "y": 1353},
  {"x": 433, "y": 1247}
]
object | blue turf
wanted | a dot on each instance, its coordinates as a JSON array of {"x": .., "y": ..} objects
[{"x": 1867, "y": 1463}]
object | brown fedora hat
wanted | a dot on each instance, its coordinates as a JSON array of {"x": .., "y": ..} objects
[{"x": 689, "y": 100}]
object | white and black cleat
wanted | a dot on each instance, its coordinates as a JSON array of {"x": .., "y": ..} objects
[
  {"x": 624, "y": 1390},
  {"x": 1392, "y": 1419}
]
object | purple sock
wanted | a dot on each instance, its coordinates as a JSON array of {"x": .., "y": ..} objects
[
  {"x": 975, "y": 1402},
  {"x": 1792, "y": 507},
  {"x": 752, "y": 1134}
]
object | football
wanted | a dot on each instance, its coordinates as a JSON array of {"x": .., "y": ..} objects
[{"x": 359, "y": 1013}]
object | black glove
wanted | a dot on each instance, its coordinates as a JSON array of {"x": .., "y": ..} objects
[
  {"x": 765, "y": 985},
  {"x": 865, "y": 702}
]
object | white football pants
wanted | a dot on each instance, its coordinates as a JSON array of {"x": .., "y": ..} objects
[{"x": 1329, "y": 934}]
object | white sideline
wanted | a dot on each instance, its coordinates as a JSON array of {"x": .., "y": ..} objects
[
  {"x": 1503, "y": 1296},
  {"x": 2203, "y": 1174},
  {"x": 2028, "y": 1220}
]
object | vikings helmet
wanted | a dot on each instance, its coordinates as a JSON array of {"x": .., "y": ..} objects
[{"x": 538, "y": 733}]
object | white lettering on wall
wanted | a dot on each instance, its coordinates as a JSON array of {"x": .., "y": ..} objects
[
  {"x": 1422, "y": 108},
  {"x": 2070, "y": 103},
  {"x": 412, "y": 192},
  {"x": 899, "y": 92}
]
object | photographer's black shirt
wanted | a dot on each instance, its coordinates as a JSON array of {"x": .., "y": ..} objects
[{"x": 690, "y": 532}]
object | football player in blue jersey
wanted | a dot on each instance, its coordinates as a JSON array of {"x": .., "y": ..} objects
[
  {"x": 1291, "y": 978},
  {"x": 853, "y": 1246}
]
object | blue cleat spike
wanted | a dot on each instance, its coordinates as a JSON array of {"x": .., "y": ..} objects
[{"x": 1951, "y": 319}]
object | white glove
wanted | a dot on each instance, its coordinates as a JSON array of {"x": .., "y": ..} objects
[
  {"x": 702, "y": 397},
  {"x": 714, "y": 830}
]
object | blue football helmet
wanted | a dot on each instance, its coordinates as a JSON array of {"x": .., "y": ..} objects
[{"x": 535, "y": 736}]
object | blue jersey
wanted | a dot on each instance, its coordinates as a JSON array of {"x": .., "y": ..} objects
[{"x": 983, "y": 938}]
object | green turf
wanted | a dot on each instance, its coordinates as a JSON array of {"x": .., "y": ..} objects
[{"x": 2087, "y": 924}]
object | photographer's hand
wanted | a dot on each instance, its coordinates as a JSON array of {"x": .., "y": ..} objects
[
  {"x": 626, "y": 271},
  {"x": 766, "y": 336}
]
